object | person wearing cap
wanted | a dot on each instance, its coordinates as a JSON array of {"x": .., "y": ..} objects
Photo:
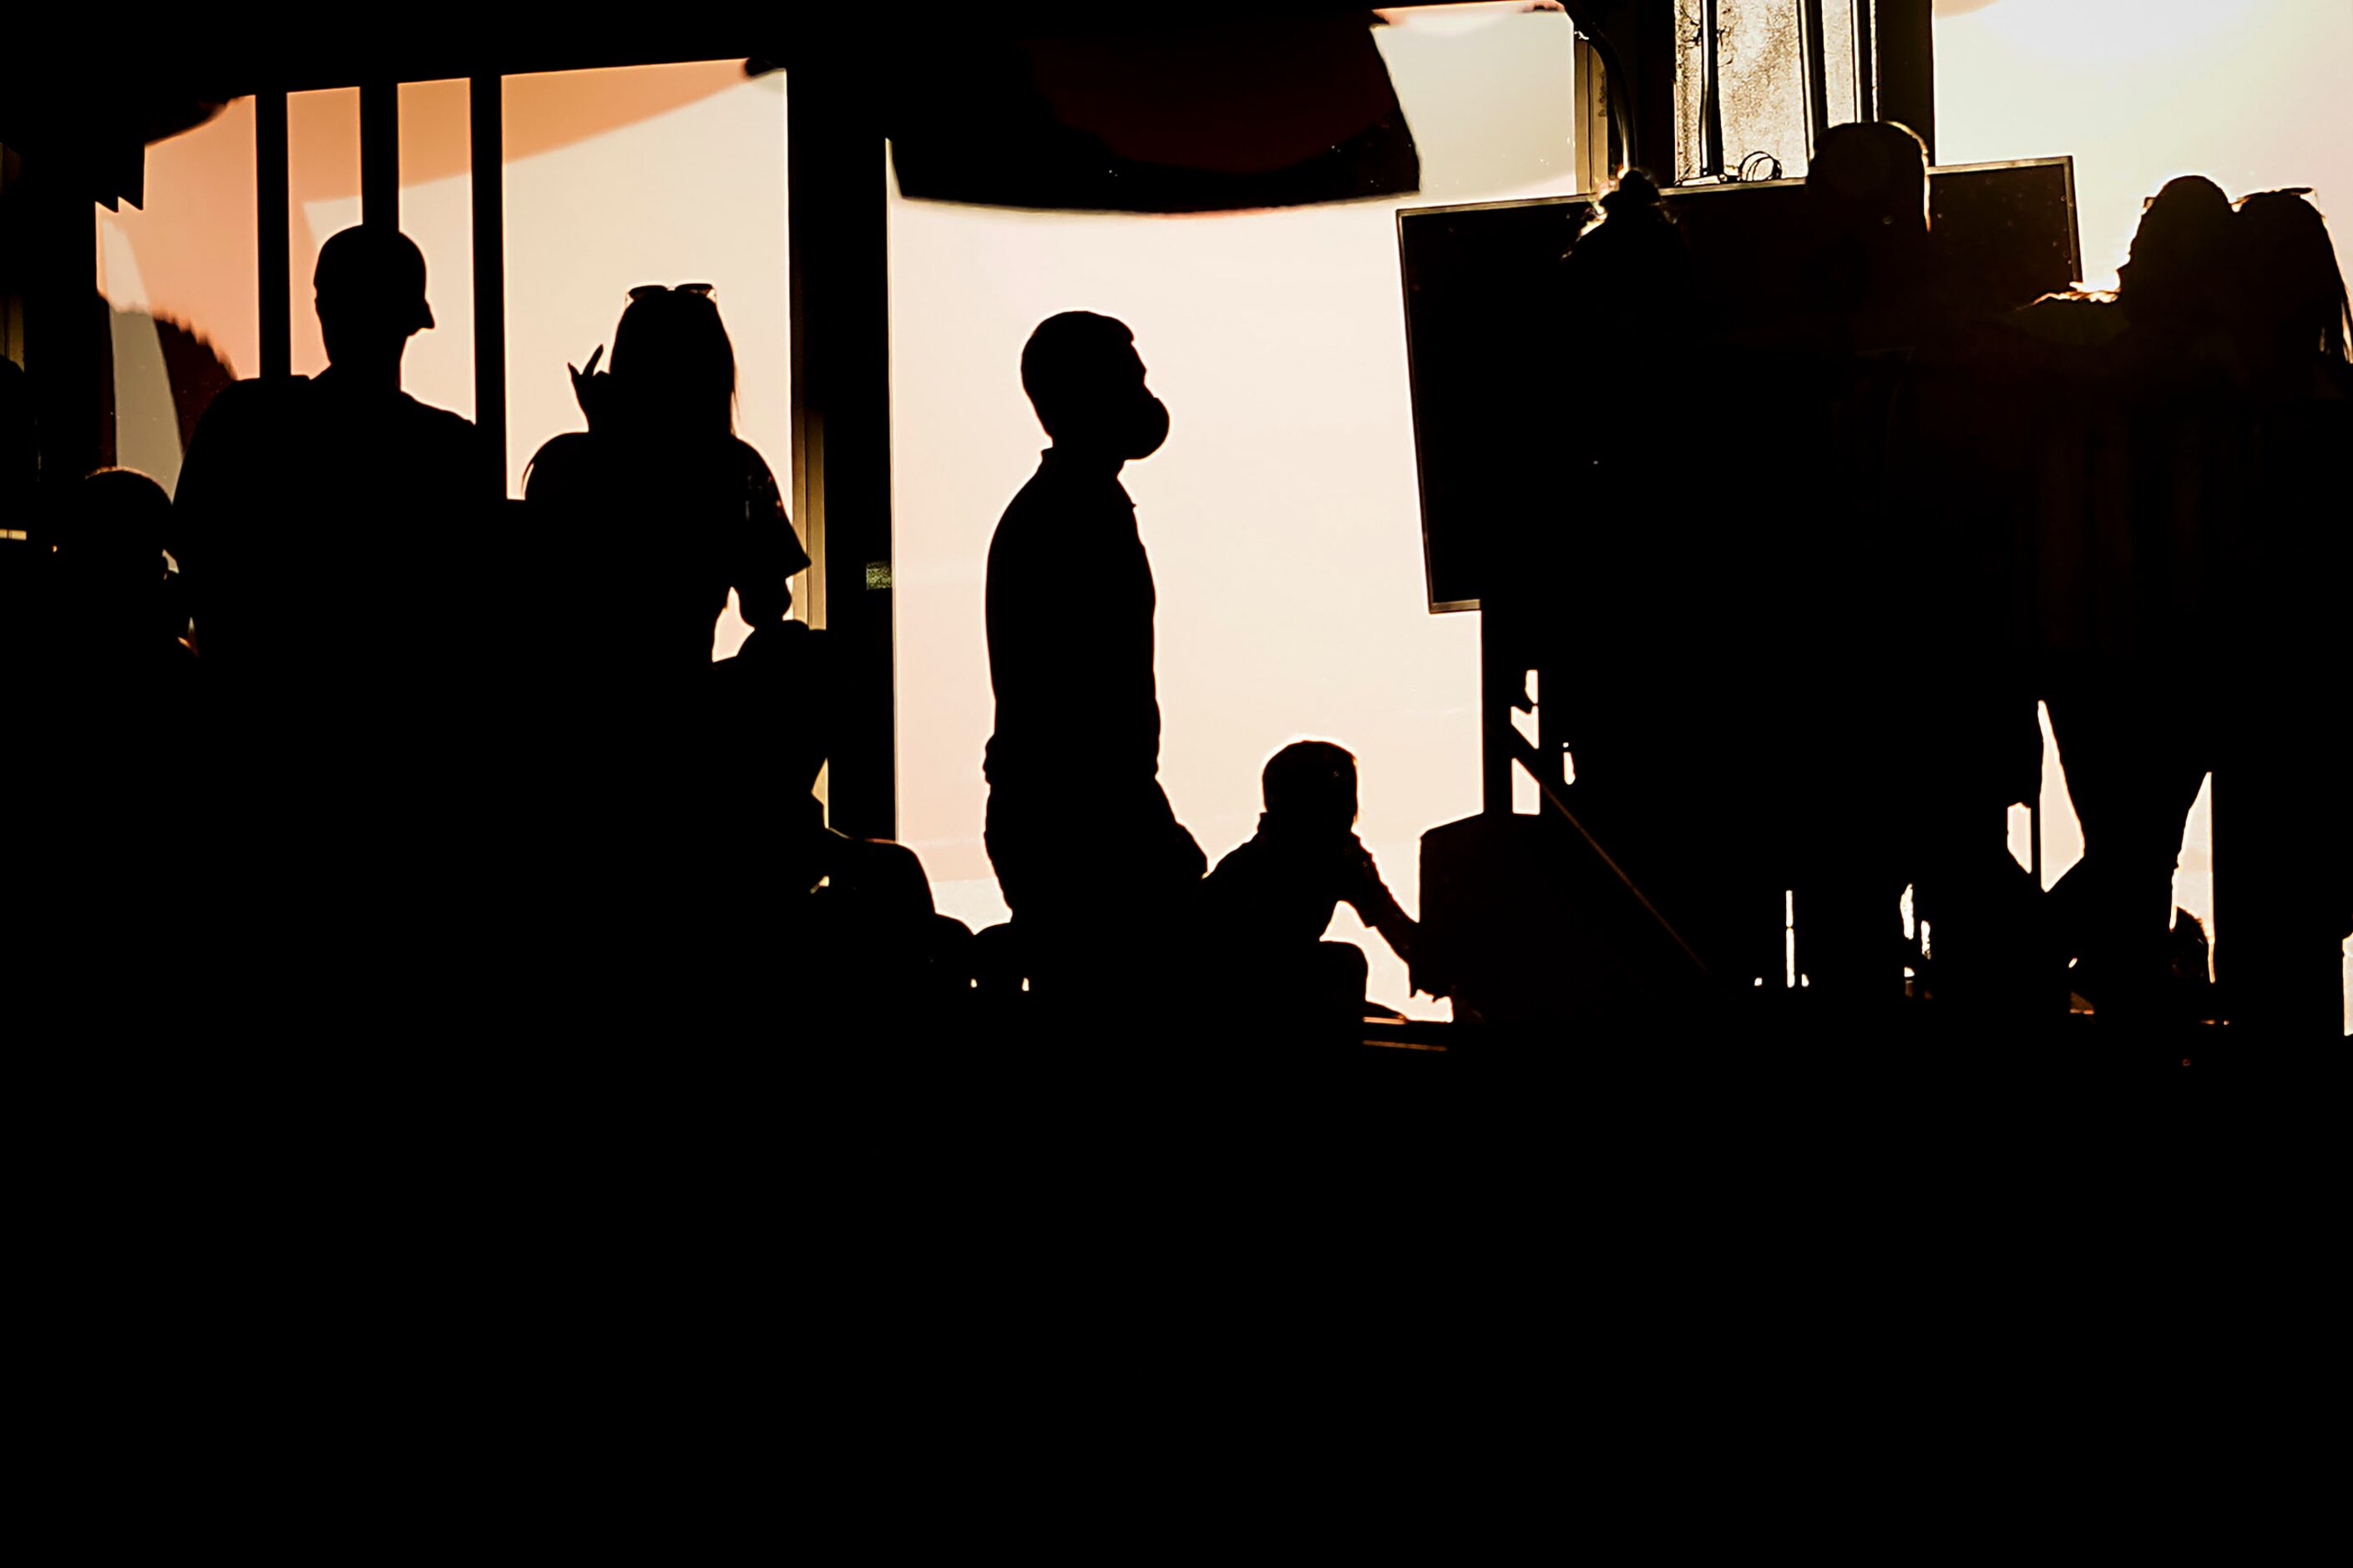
[
  {"x": 331, "y": 530},
  {"x": 313, "y": 511}
]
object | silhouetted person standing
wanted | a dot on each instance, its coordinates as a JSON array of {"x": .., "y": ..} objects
[
  {"x": 2152, "y": 420},
  {"x": 1090, "y": 859},
  {"x": 658, "y": 510},
  {"x": 657, "y": 838},
  {"x": 2283, "y": 837},
  {"x": 331, "y": 532},
  {"x": 321, "y": 520}
]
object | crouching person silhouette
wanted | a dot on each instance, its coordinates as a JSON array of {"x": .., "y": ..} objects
[
  {"x": 1268, "y": 903},
  {"x": 1098, "y": 873}
]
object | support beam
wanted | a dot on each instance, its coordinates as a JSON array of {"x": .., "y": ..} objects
[
  {"x": 1905, "y": 39},
  {"x": 380, "y": 154},
  {"x": 841, "y": 430},
  {"x": 486, "y": 129},
  {"x": 1817, "y": 86},
  {"x": 272, "y": 242},
  {"x": 66, "y": 363},
  {"x": 1711, "y": 94}
]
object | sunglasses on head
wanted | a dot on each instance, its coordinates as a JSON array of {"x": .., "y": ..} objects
[{"x": 647, "y": 291}]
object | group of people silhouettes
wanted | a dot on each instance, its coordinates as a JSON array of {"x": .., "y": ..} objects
[
  {"x": 336, "y": 741},
  {"x": 2115, "y": 505},
  {"x": 402, "y": 750}
]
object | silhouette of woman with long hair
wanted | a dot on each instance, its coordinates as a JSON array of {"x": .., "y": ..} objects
[
  {"x": 2283, "y": 860},
  {"x": 2145, "y": 439},
  {"x": 659, "y": 509}
]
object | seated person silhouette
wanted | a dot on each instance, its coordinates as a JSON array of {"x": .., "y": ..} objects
[
  {"x": 319, "y": 519},
  {"x": 655, "y": 511},
  {"x": 1268, "y": 903},
  {"x": 117, "y": 616},
  {"x": 1099, "y": 874},
  {"x": 845, "y": 925}
]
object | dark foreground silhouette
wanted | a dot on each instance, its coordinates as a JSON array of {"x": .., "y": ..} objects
[{"x": 1100, "y": 876}]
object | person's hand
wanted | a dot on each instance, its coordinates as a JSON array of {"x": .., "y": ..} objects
[{"x": 594, "y": 389}]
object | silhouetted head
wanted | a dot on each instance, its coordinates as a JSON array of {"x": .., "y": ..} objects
[
  {"x": 2179, "y": 273},
  {"x": 371, "y": 293},
  {"x": 1086, "y": 381},
  {"x": 111, "y": 530},
  {"x": 2291, "y": 294},
  {"x": 1311, "y": 784},
  {"x": 1869, "y": 178},
  {"x": 673, "y": 360},
  {"x": 1636, "y": 194}
]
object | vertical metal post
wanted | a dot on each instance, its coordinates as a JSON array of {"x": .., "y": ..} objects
[
  {"x": 1904, "y": 39},
  {"x": 838, "y": 180},
  {"x": 272, "y": 239},
  {"x": 1711, "y": 100},
  {"x": 1817, "y": 91},
  {"x": 67, "y": 361},
  {"x": 486, "y": 132},
  {"x": 1866, "y": 64},
  {"x": 380, "y": 154},
  {"x": 1502, "y": 677}
]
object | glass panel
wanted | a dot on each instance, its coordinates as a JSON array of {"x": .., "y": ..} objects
[
  {"x": 177, "y": 276},
  {"x": 1837, "y": 58},
  {"x": 647, "y": 174},
  {"x": 1283, "y": 517},
  {"x": 437, "y": 195},
  {"x": 323, "y": 197}
]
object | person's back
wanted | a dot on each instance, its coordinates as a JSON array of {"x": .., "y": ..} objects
[
  {"x": 644, "y": 543},
  {"x": 647, "y": 519},
  {"x": 322, "y": 521},
  {"x": 319, "y": 522}
]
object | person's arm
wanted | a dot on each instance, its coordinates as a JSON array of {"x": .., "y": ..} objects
[{"x": 1376, "y": 905}]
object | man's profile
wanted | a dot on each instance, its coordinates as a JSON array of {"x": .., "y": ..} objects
[{"x": 1080, "y": 831}]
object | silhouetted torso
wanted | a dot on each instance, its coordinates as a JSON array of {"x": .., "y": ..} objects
[
  {"x": 322, "y": 528},
  {"x": 1282, "y": 887},
  {"x": 643, "y": 540},
  {"x": 1071, "y": 606}
]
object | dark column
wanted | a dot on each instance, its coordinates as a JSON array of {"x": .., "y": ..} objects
[
  {"x": 1656, "y": 47},
  {"x": 380, "y": 154},
  {"x": 1817, "y": 90},
  {"x": 841, "y": 430},
  {"x": 270, "y": 237},
  {"x": 66, "y": 355},
  {"x": 486, "y": 120},
  {"x": 1907, "y": 67}
]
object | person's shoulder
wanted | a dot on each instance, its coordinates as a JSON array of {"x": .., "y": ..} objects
[
  {"x": 572, "y": 446},
  {"x": 257, "y": 397},
  {"x": 560, "y": 460},
  {"x": 2079, "y": 319},
  {"x": 747, "y": 457},
  {"x": 1237, "y": 864},
  {"x": 442, "y": 423}
]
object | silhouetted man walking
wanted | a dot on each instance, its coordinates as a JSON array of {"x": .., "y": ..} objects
[{"x": 1093, "y": 862}]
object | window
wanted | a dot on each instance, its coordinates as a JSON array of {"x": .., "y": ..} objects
[{"x": 1283, "y": 516}]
